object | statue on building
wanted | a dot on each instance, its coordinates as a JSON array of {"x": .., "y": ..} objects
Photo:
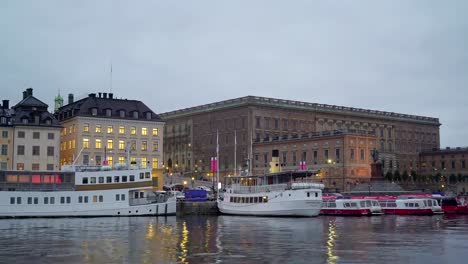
[{"x": 375, "y": 155}]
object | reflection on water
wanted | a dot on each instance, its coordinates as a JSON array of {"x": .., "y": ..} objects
[{"x": 228, "y": 239}]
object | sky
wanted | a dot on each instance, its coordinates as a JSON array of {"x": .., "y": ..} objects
[{"x": 392, "y": 55}]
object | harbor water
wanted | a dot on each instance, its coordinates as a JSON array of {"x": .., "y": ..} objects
[{"x": 232, "y": 239}]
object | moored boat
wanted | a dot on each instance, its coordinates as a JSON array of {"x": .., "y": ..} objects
[
  {"x": 80, "y": 191},
  {"x": 350, "y": 207}
]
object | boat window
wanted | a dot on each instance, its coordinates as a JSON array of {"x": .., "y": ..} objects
[
  {"x": 231, "y": 199},
  {"x": 132, "y": 178},
  {"x": 62, "y": 200},
  {"x": 46, "y": 200},
  {"x": 332, "y": 204},
  {"x": 353, "y": 204},
  {"x": 346, "y": 205},
  {"x": 68, "y": 199},
  {"x": 316, "y": 194},
  {"x": 85, "y": 180},
  {"x": 124, "y": 178},
  {"x": 101, "y": 179},
  {"x": 416, "y": 204},
  {"x": 142, "y": 175},
  {"x": 375, "y": 203},
  {"x": 136, "y": 195},
  {"x": 368, "y": 203},
  {"x": 36, "y": 200},
  {"x": 94, "y": 198},
  {"x": 255, "y": 199},
  {"x": 93, "y": 180},
  {"x": 18, "y": 200},
  {"x": 86, "y": 199},
  {"x": 116, "y": 178},
  {"x": 308, "y": 194},
  {"x": 265, "y": 199},
  {"x": 147, "y": 175},
  {"x": 427, "y": 203},
  {"x": 122, "y": 197},
  {"x": 52, "y": 200},
  {"x": 362, "y": 203},
  {"x": 117, "y": 197},
  {"x": 109, "y": 179},
  {"x": 406, "y": 204},
  {"x": 101, "y": 198},
  {"x": 29, "y": 200},
  {"x": 251, "y": 200},
  {"x": 236, "y": 200},
  {"x": 142, "y": 194}
]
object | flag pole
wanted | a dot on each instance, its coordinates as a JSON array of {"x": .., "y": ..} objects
[
  {"x": 217, "y": 163},
  {"x": 235, "y": 153}
]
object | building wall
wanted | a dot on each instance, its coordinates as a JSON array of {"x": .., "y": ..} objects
[
  {"x": 78, "y": 129},
  {"x": 40, "y": 160},
  {"x": 399, "y": 137},
  {"x": 6, "y": 141},
  {"x": 445, "y": 161}
]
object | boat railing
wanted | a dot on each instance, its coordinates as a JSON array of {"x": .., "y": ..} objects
[{"x": 236, "y": 188}]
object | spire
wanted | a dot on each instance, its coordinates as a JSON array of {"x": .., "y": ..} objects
[{"x": 58, "y": 101}]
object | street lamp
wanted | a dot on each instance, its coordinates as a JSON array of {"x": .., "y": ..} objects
[{"x": 193, "y": 181}]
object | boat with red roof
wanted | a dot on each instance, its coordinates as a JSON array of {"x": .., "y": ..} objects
[{"x": 338, "y": 205}]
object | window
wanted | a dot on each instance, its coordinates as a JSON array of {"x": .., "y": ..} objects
[
  {"x": 147, "y": 175},
  {"x": 121, "y": 144},
  {"x": 86, "y": 159},
  {"x": 86, "y": 199},
  {"x": 132, "y": 178},
  {"x": 116, "y": 179},
  {"x": 144, "y": 163},
  {"x": 363, "y": 154},
  {"x": 156, "y": 146},
  {"x": 36, "y": 150},
  {"x": 110, "y": 144},
  {"x": 148, "y": 115},
  {"x": 85, "y": 127},
  {"x": 463, "y": 164},
  {"x": 18, "y": 200},
  {"x": 35, "y": 166},
  {"x": 80, "y": 199},
  {"x": 109, "y": 179},
  {"x": 117, "y": 197},
  {"x": 121, "y": 159},
  {"x": 36, "y": 200},
  {"x": 110, "y": 161},
  {"x": 155, "y": 131},
  {"x": 3, "y": 166},
  {"x": 142, "y": 175},
  {"x": 351, "y": 153},
  {"x": 108, "y": 112},
  {"x": 68, "y": 199},
  {"x": 155, "y": 163},
  {"x": 4, "y": 149},
  {"x": 4, "y": 134},
  {"x": 12, "y": 200},
  {"x": 267, "y": 123},
  {"x": 50, "y": 151},
  {"x": 144, "y": 131},
  {"x": 325, "y": 155},
  {"x": 21, "y": 134},
  {"x": 95, "y": 199},
  {"x": 315, "y": 157},
  {"x": 121, "y": 130},
  {"x": 285, "y": 124},
  {"x": 84, "y": 180},
  {"x": 257, "y": 122},
  {"x": 124, "y": 178},
  {"x": 337, "y": 155},
  {"x": 132, "y": 130},
  {"x": 144, "y": 145},
  {"x": 98, "y": 128},
  {"x": 98, "y": 143},
  {"x": 93, "y": 180},
  {"x": 50, "y": 136},
  {"x": 20, "y": 166},
  {"x": 62, "y": 200},
  {"x": 135, "y": 114},
  {"x": 94, "y": 111},
  {"x": 101, "y": 179},
  {"x": 453, "y": 164},
  {"x": 52, "y": 200},
  {"x": 101, "y": 198},
  {"x": 36, "y": 135},
  {"x": 85, "y": 143},
  {"x": 110, "y": 129},
  {"x": 29, "y": 200},
  {"x": 46, "y": 200},
  {"x": 122, "y": 197}
]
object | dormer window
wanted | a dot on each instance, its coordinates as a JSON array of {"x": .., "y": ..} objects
[
  {"x": 108, "y": 112},
  {"x": 122, "y": 113},
  {"x": 94, "y": 111},
  {"x": 36, "y": 119},
  {"x": 48, "y": 122},
  {"x": 148, "y": 115},
  {"x": 135, "y": 114},
  {"x": 24, "y": 120},
  {"x": 3, "y": 120}
]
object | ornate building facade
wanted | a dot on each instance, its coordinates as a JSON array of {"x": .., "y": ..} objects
[{"x": 191, "y": 133}]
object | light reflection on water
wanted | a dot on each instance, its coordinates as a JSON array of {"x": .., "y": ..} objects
[{"x": 228, "y": 239}]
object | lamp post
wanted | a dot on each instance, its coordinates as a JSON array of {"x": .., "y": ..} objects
[{"x": 193, "y": 181}]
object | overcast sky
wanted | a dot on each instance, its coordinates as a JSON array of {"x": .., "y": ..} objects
[{"x": 401, "y": 56}]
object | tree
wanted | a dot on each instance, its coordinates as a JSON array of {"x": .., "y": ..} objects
[
  {"x": 397, "y": 176},
  {"x": 389, "y": 176},
  {"x": 437, "y": 177},
  {"x": 414, "y": 176},
  {"x": 405, "y": 176}
]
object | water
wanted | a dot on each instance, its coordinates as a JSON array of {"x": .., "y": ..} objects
[{"x": 229, "y": 239}]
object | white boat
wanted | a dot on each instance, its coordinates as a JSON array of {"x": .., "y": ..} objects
[
  {"x": 351, "y": 207},
  {"x": 276, "y": 194},
  {"x": 80, "y": 191}
]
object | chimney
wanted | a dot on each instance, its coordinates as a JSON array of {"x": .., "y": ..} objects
[
  {"x": 274, "y": 164},
  {"x": 99, "y": 95},
  {"x": 70, "y": 98},
  {"x": 6, "y": 104},
  {"x": 92, "y": 95},
  {"x": 104, "y": 95},
  {"x": 29, "y": 91},
  {"x": 25, "y": 94},
  {"x": 111, "y": 96}
]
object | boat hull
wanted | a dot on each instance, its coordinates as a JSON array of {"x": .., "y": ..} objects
[
  {"x": 349, "y": 212},
  {"x": 427, "y": 211},
  {"x": 300, "y": 208}
]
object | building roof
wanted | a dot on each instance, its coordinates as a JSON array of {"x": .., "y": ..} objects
[
  {"x": 297, "y": 105},
  {"x": 32, "y": 112},
  {"x": 84, "y": 108},
  {"x": 447, "y": 150}
]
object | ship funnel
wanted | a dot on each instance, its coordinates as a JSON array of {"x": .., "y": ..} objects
[{"x": 274, "y": 164}]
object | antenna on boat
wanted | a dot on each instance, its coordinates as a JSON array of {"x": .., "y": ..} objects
[{"x": 75, "y": 159}]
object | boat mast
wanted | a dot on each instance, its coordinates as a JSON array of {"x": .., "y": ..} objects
[
  {"x": 235, "y": 153},
  {"x": 217, "y": 163}
]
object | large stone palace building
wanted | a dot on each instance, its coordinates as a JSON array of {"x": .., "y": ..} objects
[{"x": 263, "y": 123}]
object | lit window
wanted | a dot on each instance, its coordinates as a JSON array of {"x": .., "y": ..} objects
[
  {"x": 133, "y": 130},
  {"x": 132, "y": 160},
  {"x": 155, "y": 131},
  {"x": 121, "y": 144},
  {"x": 155, "y": 146},
  {"x": 98, "y": 143},
  {"x": 110, "y": 144},
  {"x": 85, "y": 143},
  {"x": 121, "y": 159},
  {"x": 143, "y": 162},
  {"x": 98, "y": 128},
  {"x": 122, "y": 130},
  {"x": 110, "y": 161},
  {"x": 144, "y": 131},
  {"x": 144, "y": 145},
  {"x": 110, "y": 129},
  {"x": 155, "y": 163}
]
